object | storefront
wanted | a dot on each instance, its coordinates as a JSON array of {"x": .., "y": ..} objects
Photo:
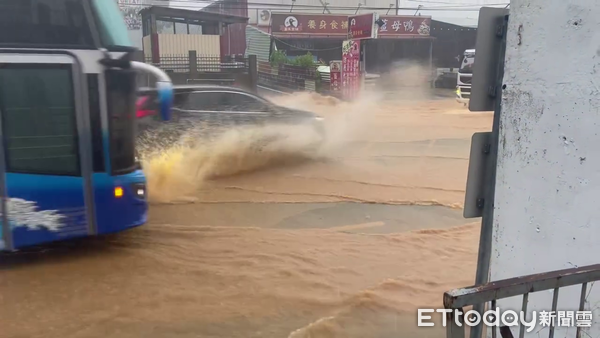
[
  {"x": 400, "y": 38},
  {"x": 320, "y": 34}
]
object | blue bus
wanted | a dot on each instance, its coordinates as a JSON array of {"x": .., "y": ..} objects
[{"x": 67, "y": 122}]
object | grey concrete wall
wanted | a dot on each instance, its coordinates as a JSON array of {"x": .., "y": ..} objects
[{"x": 548, "y": 182}]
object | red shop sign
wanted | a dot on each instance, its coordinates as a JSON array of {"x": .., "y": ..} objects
[
  {"x": 335, "y": 75},
  {"x": 404, "y": 26},
  {"x": 312, "y": 24},
  {"x": 351, "y": 76},
  {"x": 362, "y": 26}
]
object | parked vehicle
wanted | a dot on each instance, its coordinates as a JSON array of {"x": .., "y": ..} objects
[
  {"x": 465, "y": 75},
  {"x": 214, "y": 108}
]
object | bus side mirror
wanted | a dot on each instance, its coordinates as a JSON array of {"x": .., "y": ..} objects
[
  {"x": 164, "y": 87},
  {"x": 122, "y": 63},
  {"x": 165, "y": 99}
]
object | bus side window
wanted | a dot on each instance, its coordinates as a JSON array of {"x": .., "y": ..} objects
[
  {"x": 39, "y": 119},
  {"x": 95, "y": 123},
  {"x": 120, "y": 94}
]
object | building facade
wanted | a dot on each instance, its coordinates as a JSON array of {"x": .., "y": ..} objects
[
  {"x": 460, "y": 12},
  {"x": 131, "y": 12}
]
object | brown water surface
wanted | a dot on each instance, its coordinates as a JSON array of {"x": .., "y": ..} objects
[{"x": 347, "y": 242}]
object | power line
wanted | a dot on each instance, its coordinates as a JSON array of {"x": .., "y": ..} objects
[
  {"x": 455, "y": 3},
  {"x": 305, "y": 49},
  {"x": 317, "y": 7},
  {"x": 189, "y": 4}
]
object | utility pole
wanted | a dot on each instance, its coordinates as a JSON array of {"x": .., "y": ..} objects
[{"x": 325, "y": 6}]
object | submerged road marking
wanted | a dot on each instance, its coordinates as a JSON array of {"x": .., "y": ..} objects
[{"x": 357, "y": 226}]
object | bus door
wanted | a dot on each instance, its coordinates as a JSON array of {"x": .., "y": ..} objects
[{"x": 45, "y": 160}]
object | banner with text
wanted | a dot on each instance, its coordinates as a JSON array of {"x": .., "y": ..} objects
[
  {"x": 398, "y": 26},
  {"x": 362, "y": 26},
  {"x": 335, "y": 75},
  {"x": 308, "y": 24},
  {"x": 351, "y": 79},
  {"x": 330, "y": 25}
]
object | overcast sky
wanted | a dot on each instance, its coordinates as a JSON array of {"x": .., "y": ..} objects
[
  {"x": 190, "y": 4},
  {"x": 464, "y": 12}
]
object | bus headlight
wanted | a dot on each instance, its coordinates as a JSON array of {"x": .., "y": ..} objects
[{"x": 139, "y": 190}]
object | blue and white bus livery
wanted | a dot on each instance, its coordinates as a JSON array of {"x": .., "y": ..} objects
[{"x": 67, "y": 122}]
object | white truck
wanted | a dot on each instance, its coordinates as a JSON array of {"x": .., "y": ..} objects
[{"x": 465, "y": 74}]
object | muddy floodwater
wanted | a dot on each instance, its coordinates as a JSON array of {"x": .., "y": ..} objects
[{"x": 347, "y": 241}]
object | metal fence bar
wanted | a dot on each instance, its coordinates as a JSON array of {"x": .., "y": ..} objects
[
  {"x": 458, "y": 298},
  {"x": 524, "y": 311},
  {"x": 272, "y": 90},
  {"x": 505, "y": 332},
  {"x": 289, "y": 78},
  {"x": 554, "y": 306},
  {"x": 453, "y": 330},
  {"x": 494, "y": 334},
  {"x": 582, "y": 298},
  {"x": 203, "y": 63}
]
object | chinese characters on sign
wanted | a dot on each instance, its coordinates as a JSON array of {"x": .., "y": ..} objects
[
  {"x": 333, "y": 25},
  {"x": 335, "y": 75},
  {"x": 309, "y": 24},
  {"x": 362, "y": 26},
  {"x": 405, "y": 25},
  {"x": 351, "y": 76},
  {"x": 394, "y": 26},
  {"x": 312, "y": 24}
]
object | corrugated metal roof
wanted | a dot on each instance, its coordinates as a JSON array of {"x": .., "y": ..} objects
[{"x": 257, "y": 43}]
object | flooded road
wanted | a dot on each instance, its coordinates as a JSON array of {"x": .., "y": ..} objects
[{"x": 348, "y": 243}]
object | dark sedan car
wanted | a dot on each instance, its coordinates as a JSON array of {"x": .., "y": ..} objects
[{"x": 217, "y": 108}]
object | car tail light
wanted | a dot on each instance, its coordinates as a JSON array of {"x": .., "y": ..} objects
[
  {"x": 144, "y": 113},
  {"x": 141, "y": 110}
]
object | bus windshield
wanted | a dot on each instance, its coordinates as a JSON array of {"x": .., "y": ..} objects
[
  {"x": 25, "y": 23},
  {"x": 111, "y": 24}
]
